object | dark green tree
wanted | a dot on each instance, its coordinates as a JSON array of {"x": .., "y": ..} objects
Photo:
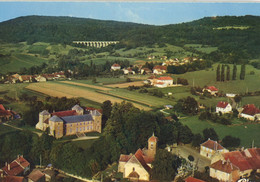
[
  {"x": 218, "y": 73},
  {"x": 234, "y": 74},
  {"x": 197, "y": 139},
  {"x": 243, "y": 72},
  {"x": 210, "y": 133},
  {"x": 228, "y": 73},
  {"x": 165, "y": 165},
  {"x": 229, "y": 141},
  {"x": 222, "y": 76}
]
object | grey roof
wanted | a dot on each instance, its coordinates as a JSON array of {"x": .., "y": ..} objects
[
  {"x": 44, "y": 113},
  {"x": 77, "y": 107},
  {"x": 95, "y": 113},
  {"x": 78, "y": 118},
  {"x": 55, "y": 119}
]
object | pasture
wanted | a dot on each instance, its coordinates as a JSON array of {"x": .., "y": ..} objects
[{"x": 247, "y": 132}]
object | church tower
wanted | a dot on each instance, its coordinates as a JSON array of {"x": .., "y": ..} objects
[{"x": 152, "y": 146}]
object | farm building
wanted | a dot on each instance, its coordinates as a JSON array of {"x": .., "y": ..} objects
[
  {"x": 223, "y": 107},
  {"x": 210, "y": 147},
  {"x": 158, "y": 69},
  {"x": 211, "y": 89},
  {"x": 70, "y": 122},
  {"x": 5, "y": 115},
  {"x": 115, "y": 67},
  {"x": 137, "y": 167},
  {"x": 250, "y": 112},
  {"x": 236, "y": 164},
  {"x": 19, "y": 167}
]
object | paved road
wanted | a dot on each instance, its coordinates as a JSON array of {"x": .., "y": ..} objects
[{"x": 185, "y": 150}]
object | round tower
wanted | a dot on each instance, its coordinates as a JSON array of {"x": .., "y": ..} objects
[{"x": 43, "y": 116}]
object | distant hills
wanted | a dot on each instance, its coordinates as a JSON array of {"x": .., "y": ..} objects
[{"x": 228, "y": 33}]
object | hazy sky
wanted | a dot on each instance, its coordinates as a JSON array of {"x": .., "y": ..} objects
[{"x": 156, "y": 13}]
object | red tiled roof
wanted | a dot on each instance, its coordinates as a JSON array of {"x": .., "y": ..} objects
[
  {"x": 124, "y": 158},
  {"x": 153, "y": 139},
  {"x": 35, "y": 175},
  {"x": 160, "y": 67},
  {"x": 165, "y": 78},
  {"x": 212, "y": 88},
  {"x": 212, "y": 145},
  {"x": 116, "y": 65},
  {"x": 224, "y": 166},
  {"x": 250, "y": 109},
  {"x": 26, "y": 77},
  {"x": 2, "y": 107},
  {"x": 139, "y": 155},
  {"x": 13, "y": 179},
  {"x": 16, "y": 167},
  {"x": 5, "y": 113},
  {"x": 191, "y": 179},
  {"x": 64, "y": 113},
  {"x": 92, "y": 109},
  {"x": 222, "y": 104},
  {"x": 244, "y": 160}
]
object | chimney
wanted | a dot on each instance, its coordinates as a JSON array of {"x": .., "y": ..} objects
[{"x": 9, "y": 167}]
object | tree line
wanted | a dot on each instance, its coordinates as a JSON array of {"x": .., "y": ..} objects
[{"x": 222, "y": 75}]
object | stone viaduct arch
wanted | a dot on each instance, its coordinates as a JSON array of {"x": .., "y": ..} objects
[{"x": 97, "y": 44}]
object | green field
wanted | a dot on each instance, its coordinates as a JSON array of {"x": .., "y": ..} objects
[
  {"x": 5, "y": 130},
  {"x": 246, "y": 132},
  {"x": 202, "y": 48}
]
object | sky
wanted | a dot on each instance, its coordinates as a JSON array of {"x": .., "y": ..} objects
[{"x": 154, "y": 13}]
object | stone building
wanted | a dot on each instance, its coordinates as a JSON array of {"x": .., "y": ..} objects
[
  {"x": 70, "y": 122},
  {"x": 210, "y": 147},
  {"x": 137, "y": 167}
]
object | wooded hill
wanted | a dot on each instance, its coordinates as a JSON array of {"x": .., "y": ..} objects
[{"x": 237, "y": 35}]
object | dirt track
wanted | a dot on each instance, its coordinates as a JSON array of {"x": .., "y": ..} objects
[{"x": 125, "y": 85}]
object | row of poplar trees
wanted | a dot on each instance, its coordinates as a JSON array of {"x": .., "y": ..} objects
[{"x": 221, "y": 76}]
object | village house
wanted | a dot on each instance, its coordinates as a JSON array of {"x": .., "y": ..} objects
[
  {"x": 40, "y": 78},
  {"x": 59, "y": 75},
  {"x": 210, "y": 147},
  {"x": 48, "y": 77},
  {"x": 19, "y": 167},
  {"x": 211, "y": 89},
  {"x": 166, "y": 80},
  {"x": 36, "y": 176},
  {"x": 70, "y": 122},
  {"x": 223, "y": 107},
  {"x": 151, "y": 57},
  {"x": 234, "y": 165},
  {"x": 5, "y": 115},
  {"x": 250, "y": 112},
  {"x": 26, "y": 78},
  {"x": 138, "y": 166},
  {"x": 14, "y": 78},
  {"x": 145, "y": 71},
  {"x": 158, "y": 69},
  {"x": 115, "y": 67},
  {"x": 128, "y": 71},
  {"x": 224, "y": 171},
  {"x": 192, "y": 179}
]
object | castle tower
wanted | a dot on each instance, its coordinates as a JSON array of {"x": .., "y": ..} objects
[
  {"x": 43, "y": 116},
  {"x": 56, "y": 126},
  {"x": 78, "y": 110},
  {"x": 152, "y": 146},
  {"x": 97, "y": 117}
]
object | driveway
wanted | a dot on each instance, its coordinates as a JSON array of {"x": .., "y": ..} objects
[{"x": 186, "y": 150}]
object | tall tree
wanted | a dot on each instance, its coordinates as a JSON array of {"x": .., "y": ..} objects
[
  {"x": 222, "y": 73},
  {"x": 243, "y": 72},
  {"x": 106, "y": 108},
  {"x": 210, "y": 133},
  {"x": 165, "y": 166},
  {"x": 234, "y": 74},
  {"x": 228, "y": 73},
  {"x": 218, "y": 73}
]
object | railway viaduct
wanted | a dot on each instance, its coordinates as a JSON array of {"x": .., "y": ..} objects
[{"x": 97, "y": 44}]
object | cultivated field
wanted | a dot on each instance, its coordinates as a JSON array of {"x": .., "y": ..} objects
[
  {"x": 62, "y": 90},
  {"x": 87, "y": 85},
  {"x": 125, "y": 85}
]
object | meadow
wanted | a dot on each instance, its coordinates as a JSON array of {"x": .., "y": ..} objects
[{"x": 247, "y": 132}]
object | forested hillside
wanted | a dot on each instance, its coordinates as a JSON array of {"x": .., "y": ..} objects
[{"x": 236, "y": 35}]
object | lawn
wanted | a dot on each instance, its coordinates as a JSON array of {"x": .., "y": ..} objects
[
  {"x": 208, "y": 77},
  {"x": 18, "y": 61},
  {"x": 6, "y": 129},
  {"x": 247, "y": 132},
  {"x": 202, "y": 48},
  {"x": 84, "y": 144}
]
